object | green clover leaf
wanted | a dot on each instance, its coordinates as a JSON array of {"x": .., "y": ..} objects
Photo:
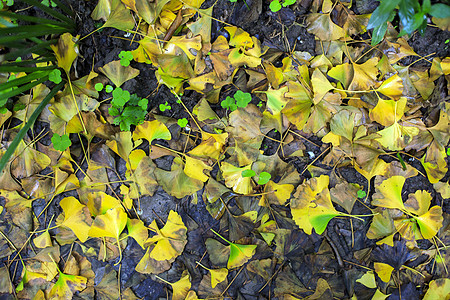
[
  {"x": 182, "y": 122},
  {"x": 242, "y": 99},
  {"x": 361, "y": 194},
  {"x": 229, "y": 103},
  {"x": 275, "y": 5},
  {"x": 109, "y": 88},
  {"x": 125, "y": 58},
  {"x": 264, "y": 178},
  {"x": 98, "y": 86},
  {"x": 55, "y": 76},
  {"x": 61, "y": 142},
  {"x": 120, "y": 97},
  {"x": 248, "y": 173}
]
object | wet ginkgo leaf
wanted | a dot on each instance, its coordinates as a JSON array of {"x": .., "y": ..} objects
[
  {"x": 195, "y": 168},
  {"x": 392, "y": 87},
  {"x": 217, "y": 276},
  {"x": 389, "y": 193},
  {"x": 368, "y": 280},
  {"x": 76, "y": 217},
  {"x": 110, "y": 224},
  {"x": 181, "y": 287},
  {"x": 438, "y": 289},
  {"x": 43, "y": 240},
  {"x": 151, "y": 130},
  {"x": 66, "y": 286},
  {"x": 170, "y": 240},
  {"x": 138, "y": 231},
  {"x": 383, "y": 271},
  {"x": 65, "y": 51},
  {"x": 240, "y": 254},
  {"x": 117, "y": 73},
  {"x": 430, "y": 222},
  {"x": 235, "y": 180},
  {"x": 100, "y": 202},
  {"x": 175, "y": 182}
]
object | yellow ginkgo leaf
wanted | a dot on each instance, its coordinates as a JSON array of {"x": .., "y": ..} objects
[
  {"x": 66, "y": 286},
  {"x": 217, "y": 276},
  {"x": 239, "y": 37},
  {"x": 235, "y": 180},
  {"x": 438, "y": 289},
  {"x": 383, "y": 271},
  {"x": 368, "y": 280},
  {"x": 65, "y": 51},
  {"x": 110, "y": 224},
  {"x": 430, "y": 222},
  {"x": 275, "y": 193},
  {"x": 186, "y": 44},
  {"x": 170, "y": 240},
  {"x": 396, "y": 136},
  {"x": 117, "y": 73},
  {"x": 195, "y": 168},
  {"x": 151, "y": 130},
  {"x": 301, "y": 202},
  {"x": 364, "y": 75},
  {"x": 100, "y": 202},
  {"x": 239, "y": 255},
  {"x": 181, "y": 287},
  {"x": 43, "y": 241},
  {"x": 175, "y": 182},
  {"x": 323, "y": 28},
  {"x": 389, "y": 193},
  {"x": 392, "y": 87},
  {"x": 387, "y": 112},
  {"x": 138, "y": 231},
  {"x": 76, "y": 217},
  {"x": 320, "y": 85},
  {"x": 419, "y": 202}
]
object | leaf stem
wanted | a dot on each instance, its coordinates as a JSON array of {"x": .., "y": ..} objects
[
  {"x": 198, "y": 263},
  {"x": 221, "y": 236},
  {"x": 163, "y": 280}
]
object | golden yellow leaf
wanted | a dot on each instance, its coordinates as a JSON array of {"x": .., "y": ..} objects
[
  {"x": 65, "y": 51},
  {"x": 320, "y": 85},
  {"x": 66, "y": 286},
  {"x": 392, "y": 87},
  {"x": 110, "y": 224},
  {"x": 388, "y": 112},
  {"x": 170, "y": 240},
  {"x": 117, "y": 73},
  {"x": 383, "y": 271},
  {"x": 389, "y": 193},
  {"x": 302, "y": 201},
  {"x": 76, "y": 217},
  {"x": 430, "y": 222},
  {"x": 195, "y": 168},
  {"x": 100, "y": 202},
  {"x": 181, "y": 287},
  {"x": 151, "y": 130},
  {"x": 217, "y": 276},
  {"x": 235, "y": 180}
]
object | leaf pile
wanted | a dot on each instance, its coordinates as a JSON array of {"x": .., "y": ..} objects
[{"x": 269, "y": 228}]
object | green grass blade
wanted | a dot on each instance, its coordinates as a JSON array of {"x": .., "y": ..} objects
[
  {"x": 51, "y": 12},
  {"x": 4, "y": 40},
  {"x": 21, "y": 89},
  {"x": 42, "y": 49},
  {"x": 6, "y": 68},
  {"x": 32, "y": 19},
  {"x": 25, "y": 79},
  {"x": 12, "y": 147}
]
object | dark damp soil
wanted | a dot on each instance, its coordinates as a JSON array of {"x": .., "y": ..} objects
[{"x": 284, "y": 31}]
